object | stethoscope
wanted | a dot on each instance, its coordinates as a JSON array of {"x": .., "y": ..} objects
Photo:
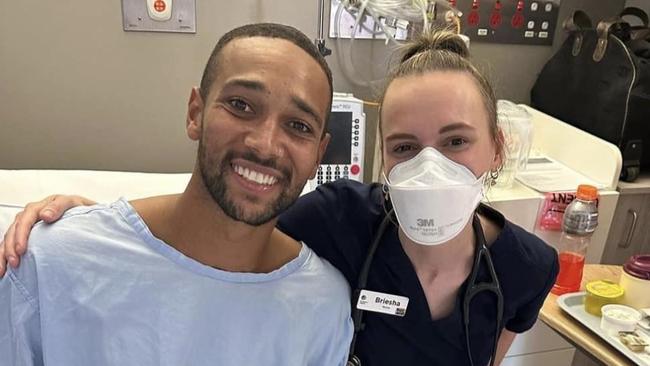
[{"x": 473, "y": 288}]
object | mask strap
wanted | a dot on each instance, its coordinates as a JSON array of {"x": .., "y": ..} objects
[
  {"x": 384, "y": 190},
  {"x": 388, "y": 210}
]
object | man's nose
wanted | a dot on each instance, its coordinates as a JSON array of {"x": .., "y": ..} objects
[{"x": 266, "y": 139}]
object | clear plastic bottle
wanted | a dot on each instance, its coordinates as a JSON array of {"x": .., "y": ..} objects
[{"x": 579, "y": 223}]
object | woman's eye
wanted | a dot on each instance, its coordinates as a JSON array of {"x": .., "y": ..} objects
[
  {"x": 403, "y": 148},
  {"x": 239, "y": 105},
  {"x": 300, "y": 126},
  {"x": 457, "y": 141}
]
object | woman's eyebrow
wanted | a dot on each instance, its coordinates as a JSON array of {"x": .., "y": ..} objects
[
  {"x": 401, "y": 136},
  {"x": 456, "y": 126}
]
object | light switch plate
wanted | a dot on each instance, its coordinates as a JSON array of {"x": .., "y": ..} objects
[{"x": 172, "y": 16}]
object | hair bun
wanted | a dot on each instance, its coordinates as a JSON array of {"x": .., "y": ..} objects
[{"x": 436, "y": 40}]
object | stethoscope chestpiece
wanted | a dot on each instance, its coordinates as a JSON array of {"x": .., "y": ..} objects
[{"x": 353, "y": 361}]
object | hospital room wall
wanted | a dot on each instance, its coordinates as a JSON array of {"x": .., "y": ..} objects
[
  {"x": 643, "y": 4},
  {"x": 77, "y": 92}
]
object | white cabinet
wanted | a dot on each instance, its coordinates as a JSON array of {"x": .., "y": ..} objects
[
  {"x": 539, "y": 346},
  {"x": 555, "y": 358},
  {"x": 630, "y": 230}
]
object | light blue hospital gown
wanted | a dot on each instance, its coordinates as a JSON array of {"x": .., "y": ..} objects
[{"x": 97, "y": 288}]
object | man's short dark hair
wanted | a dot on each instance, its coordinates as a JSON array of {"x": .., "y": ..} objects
[{"x": 269, "y": 30}]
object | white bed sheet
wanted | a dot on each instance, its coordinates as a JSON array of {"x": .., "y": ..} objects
[{"x": 19, "y": 187}]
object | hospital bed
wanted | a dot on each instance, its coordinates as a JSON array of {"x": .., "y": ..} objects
[{"x": 19, "y": 187}]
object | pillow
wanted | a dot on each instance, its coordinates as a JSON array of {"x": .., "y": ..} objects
[
  {"x": 19, "y": 187},
  {"x": 7, "y": 214}
]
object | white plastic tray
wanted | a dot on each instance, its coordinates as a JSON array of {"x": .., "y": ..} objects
[{"x": 573, "y": 304}]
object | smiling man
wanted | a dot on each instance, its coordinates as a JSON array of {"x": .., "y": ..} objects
[{"x": 204, "y": 277}]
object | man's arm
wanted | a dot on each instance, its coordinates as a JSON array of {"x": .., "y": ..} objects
[
  {"x": 49, "y": 209},
  {"x": 20, "y": 335},
  {"x": 334, "y": 338},
  {"x": 505, "y": 341}
]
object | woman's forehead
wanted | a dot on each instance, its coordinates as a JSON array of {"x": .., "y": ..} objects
[
  {"x": 432, "y": 86},
  {"x": 433, "y": 100}
]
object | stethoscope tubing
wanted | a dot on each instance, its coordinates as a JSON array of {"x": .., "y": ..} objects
[
  {"x": 472, "y": 290},
  {"x": 357, "y": 314}
]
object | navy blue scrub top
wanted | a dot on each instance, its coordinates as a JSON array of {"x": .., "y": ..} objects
[{"x": 339, "y": 220}]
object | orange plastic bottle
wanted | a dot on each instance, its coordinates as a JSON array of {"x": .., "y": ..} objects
[{"x": 580, "y": 221}]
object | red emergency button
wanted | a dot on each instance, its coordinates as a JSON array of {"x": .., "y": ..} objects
[
  {"x": 355, "y": 169},
  {"x": 159, "y": 5}
]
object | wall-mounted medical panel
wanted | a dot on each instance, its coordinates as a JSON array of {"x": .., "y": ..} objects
[
  {"x": 159, "y": 15},
  {"x": 530, "y": 22}
]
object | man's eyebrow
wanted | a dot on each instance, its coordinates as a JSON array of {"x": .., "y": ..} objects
[
  {"x": 305, "y": 107},
  {"x": 246, "y": 83}
]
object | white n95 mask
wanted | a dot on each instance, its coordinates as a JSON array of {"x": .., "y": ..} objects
[{"x": 433, "y": 196}]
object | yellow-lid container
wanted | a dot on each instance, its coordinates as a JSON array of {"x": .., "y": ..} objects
[{"x": 600, "y": 293}]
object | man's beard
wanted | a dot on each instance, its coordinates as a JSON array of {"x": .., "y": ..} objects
[{"x": 213, "y": 174}]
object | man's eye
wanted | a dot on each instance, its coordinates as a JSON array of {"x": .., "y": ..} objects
[
  {"x": 240, "y": 105},
  {"x": 300, "y": 126}
]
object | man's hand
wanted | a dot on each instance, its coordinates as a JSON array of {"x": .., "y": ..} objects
[{"x": 49, "y": 210}]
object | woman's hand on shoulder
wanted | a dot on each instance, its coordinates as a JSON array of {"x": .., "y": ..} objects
[{"x": 49, "y": 210}]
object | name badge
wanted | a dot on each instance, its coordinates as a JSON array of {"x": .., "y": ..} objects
[{"x": 382, "y": 303}]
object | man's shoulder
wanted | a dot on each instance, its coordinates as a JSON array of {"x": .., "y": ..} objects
[
  {"x": 79, "y": 227},
  {"x": 325, "y": 296},
  {"x": 321, "y": 277},
  {"x": 323, "y": 291},
  {"x": 59, "y": 248}
]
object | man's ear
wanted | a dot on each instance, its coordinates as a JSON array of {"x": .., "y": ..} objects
[
  {"x": 321, "y": 152},
  {"x": 194, "y": 120}
]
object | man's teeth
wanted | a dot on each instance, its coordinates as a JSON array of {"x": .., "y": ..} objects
[{"x": 257, "y": 177}]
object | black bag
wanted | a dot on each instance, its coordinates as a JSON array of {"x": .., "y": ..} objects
[{"x": 599, "y": 81}]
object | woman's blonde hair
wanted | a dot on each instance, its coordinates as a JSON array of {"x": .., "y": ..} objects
[{"x": 443, "y": 49}]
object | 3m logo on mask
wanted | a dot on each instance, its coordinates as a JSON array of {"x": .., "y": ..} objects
[{"x": 425, "y": 222}]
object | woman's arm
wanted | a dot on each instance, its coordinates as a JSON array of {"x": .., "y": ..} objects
[
  {"x": 49, "y": 209},
  {"x": 505, "y": 341}
]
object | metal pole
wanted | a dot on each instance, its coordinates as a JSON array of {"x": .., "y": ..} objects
[{"x": 320, "y": 40}]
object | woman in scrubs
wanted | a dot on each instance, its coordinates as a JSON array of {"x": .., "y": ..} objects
[{"x": 440, "y": 143}]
